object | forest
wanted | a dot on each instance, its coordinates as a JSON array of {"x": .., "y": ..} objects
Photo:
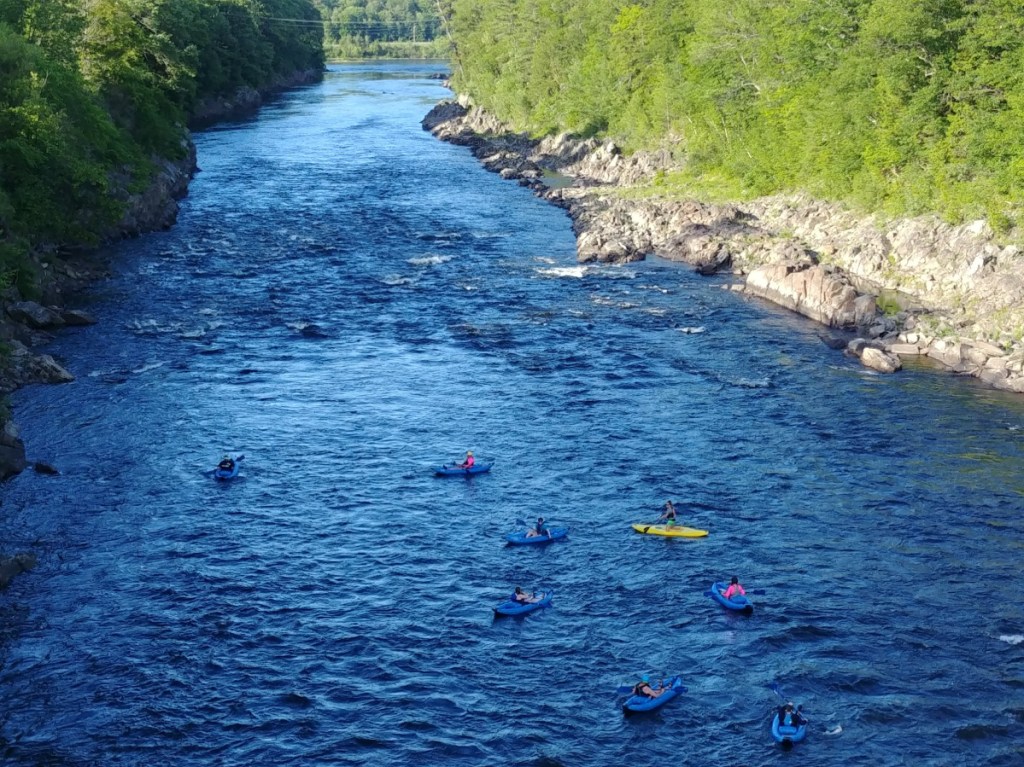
[
  {"x": 897, "y": 106},
  {"x": 355, "y": 29},
  {"x": 91, "y": 91}
]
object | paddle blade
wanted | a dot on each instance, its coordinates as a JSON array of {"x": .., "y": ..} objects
[{"x": 625, "y": 689}]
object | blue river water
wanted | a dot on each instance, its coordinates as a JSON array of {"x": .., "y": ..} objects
[{"x": 347, "y": 302}]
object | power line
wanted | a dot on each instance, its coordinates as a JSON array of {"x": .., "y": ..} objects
[{"x": 375, "y": 24}]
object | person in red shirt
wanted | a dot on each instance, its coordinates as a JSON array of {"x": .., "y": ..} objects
[{"x": 734, "y": 589}]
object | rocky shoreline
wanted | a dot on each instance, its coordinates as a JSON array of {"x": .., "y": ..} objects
[
  {"x": 910, "y": 287},
  {"x": 26, "y": 324}
]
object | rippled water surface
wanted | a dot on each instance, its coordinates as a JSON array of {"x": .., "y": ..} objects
[{"x": 348, "y": 301}]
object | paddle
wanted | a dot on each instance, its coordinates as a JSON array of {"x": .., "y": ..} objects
[
  {"x": 529, "y": 526},
  {"x": 774, "y": 687},
  {"x": 623, "y": 689}
]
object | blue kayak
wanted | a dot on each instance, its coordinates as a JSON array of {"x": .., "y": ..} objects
[
  {"x": 231, "y": 473},
  {"x": 512, "y": 607},
  {"x": 455, "y": 471},
  {"x": 786, "y": 733},
  {"x": 738, "y": 603},
  {"x": 522, "y": 538},
  {"x": 637, "y": 703}
]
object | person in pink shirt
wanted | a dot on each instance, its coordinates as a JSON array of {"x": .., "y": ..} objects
[
  {"x": 735, "y": 589},
  {"x": 468, "y": 463}
]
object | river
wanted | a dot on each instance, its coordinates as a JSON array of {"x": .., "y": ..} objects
[{"x": 347, "y": 302}]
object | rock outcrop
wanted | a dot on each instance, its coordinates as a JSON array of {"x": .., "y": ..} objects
[
  {"x": 12, "y": 566},
  {"x": 911, "y": 286},
  {"x": 245, "y": 99}
]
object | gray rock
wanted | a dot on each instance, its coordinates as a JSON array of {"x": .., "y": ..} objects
[
  {"x": 876, "y": 359},
  {"x": 35, "y": 316},
  {"x": 45, "y": 369},
  {"x": 906, "y": 350},
  {"x": 856, "y": 346},
  {"x": 12, "y": 566},
  {"x": 945, "y": 352},
  {"x": 12, "y": 451},
  {"x": 989, "y": 349},
  {"x": 815, "y": 258},
  {"x": 76, "y": 317}
]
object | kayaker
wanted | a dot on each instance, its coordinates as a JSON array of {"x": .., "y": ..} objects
[
  {"x": 539, "y": 529},
  {"x": 227, "y": 463},
  {"x": 785, "y": 713},
  {"x": 734, "y": 589},
  {"x": 670, "y": 514},
  {"x": 643, "y": 687},
  {"x": 797, "y": 717},
  {"x": 468, "y": 463},
  {"x": 524, "y": 598},
  {"x": 791, "y": 717}
]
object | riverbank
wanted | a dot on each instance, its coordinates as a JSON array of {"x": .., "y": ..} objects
[
  {"x": 29, "y": 319},
  {"x": 911, "y": 287}
]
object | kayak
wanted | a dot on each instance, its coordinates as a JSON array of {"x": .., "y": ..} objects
[
  {"x": 512, "y": 607},
  {"x": 669, "y": 531},
  {"x": 636, "y": 703},
  {"x": 455, "y": 471},
  {"x": 738, "y": 603},
  {"x": 523, "y": 538},
  {"x": 787, "y": 733},
  {"x": 231, "y": 473}
]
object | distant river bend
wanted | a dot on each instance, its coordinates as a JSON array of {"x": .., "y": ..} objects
[{"x": 346, "y": 301}]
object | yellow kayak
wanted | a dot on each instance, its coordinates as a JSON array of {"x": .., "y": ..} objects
[{"x": 671, "y": 531}]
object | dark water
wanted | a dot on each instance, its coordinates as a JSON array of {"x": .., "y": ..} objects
[{"x": 333, "y": 605}]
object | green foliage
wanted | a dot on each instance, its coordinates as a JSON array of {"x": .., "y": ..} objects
[
  {"x": 899, "y": 106},
  {"x": 90, "y": 90},
  {"x": 355, "y": 29}
]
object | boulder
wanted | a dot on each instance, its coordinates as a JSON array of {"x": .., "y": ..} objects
[
  {"x": 832, "y": 342},
  {"x": 906, "y": 350},
  {"x": 857, "y": 346},
  {"x": 876, "y": 359},
  {"x": 45, "y": 369},
  {"x": 814, "y": 292},
  {"x": 35, "y": 316},
  {"x": 12, "y": 451},
  {"x": 12, "y": 566},
  {"x": 946, "y": 352},
  {"x": 76, "y": 317}
]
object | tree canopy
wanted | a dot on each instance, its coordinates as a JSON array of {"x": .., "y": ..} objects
[
  {"x": 92, "y": 89},
  {"x": 904, "y": 106},
  {"x": 392, "y": 28}
]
